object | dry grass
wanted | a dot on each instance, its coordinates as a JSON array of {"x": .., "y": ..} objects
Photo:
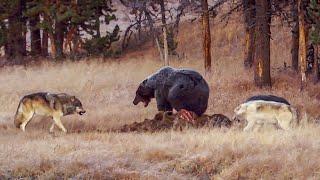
[{"x": 107, "y": 90}]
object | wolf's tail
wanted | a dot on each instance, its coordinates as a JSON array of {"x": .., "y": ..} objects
[{"x": 18, "y": 116}]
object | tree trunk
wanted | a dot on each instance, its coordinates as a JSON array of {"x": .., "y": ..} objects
[
  {"x": 44, "y": 44},
  {"x": 45, "y": 37},
  {"x": 23, "y": 26},
  {"x": 58, "y": 40},
  {"x": 164, "y": 28},
  {"x": 207, "y": 36},
  {"x": 316, "y": 63},
  {"x": 302, "y": 44},
  {"x": 97, "y": 25},
  {"x": 5, "y": 32},
  {"x": 159, "y": 48},
  {"x": 295, "y": 36},
  {"x": 35, "y": 36},
  {"x": 249, "y": 16},
  {"x": 52, "y": 45},
  {"x": 16, "y": 44},
  {"x": 154, "y": 34},
  {"x": 262, "y": 43}
]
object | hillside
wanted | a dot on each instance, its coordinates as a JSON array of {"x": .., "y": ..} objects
[{"x": 107, "y": 88}]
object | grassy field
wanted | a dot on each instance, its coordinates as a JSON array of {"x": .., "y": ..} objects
[{"x": 107, "y": 90}]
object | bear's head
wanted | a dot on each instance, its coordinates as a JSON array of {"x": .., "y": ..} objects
[{"x": 143, "y": 94}]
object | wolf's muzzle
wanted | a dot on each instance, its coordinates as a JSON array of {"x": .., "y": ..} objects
[{"x": 82, "y": 112}]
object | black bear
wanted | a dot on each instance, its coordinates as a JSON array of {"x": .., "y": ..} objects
[{"x": 181, "y": 89}]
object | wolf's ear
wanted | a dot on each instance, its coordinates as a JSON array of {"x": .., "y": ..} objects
[{"x": 73, "y": 98}]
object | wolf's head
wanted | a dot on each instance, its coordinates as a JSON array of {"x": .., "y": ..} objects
[
  {"x": 73, "y": 105},
  {"x": 239, "y": 113},
  {"x": 76, "y": 102},
  {"x": 143, "y": 94}
]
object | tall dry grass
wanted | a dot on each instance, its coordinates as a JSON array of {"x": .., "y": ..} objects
[{"x": 107, "y": 90}]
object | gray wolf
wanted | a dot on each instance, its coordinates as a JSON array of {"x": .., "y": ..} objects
[
  {"x": 47, "y": 104},
  {"x": 266, "y": 112},
  {"x": 184, "y": 90}
]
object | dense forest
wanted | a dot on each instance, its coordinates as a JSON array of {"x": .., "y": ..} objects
[{"x": 69, "y": 29}]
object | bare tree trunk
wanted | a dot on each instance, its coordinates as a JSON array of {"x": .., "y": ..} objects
[
  {"x": 295, "y": 36},
  {"x": 35, "y": 36},
  {"x": 207, "y": 36},
  {"x": 159, "y": 48},
  {"x": 45, "y": 37},
  {"x": 23, "y": 27},
  {"x": 249, "y": 15},
  {"x": 165, "y": 46},
  {"x": 316, "y": 64},
  {"x": 44, "y": 44},
  {"x": 302, "y": 44},
  {"x": 97, "y": 25},
  {"x": 164, "y": 29},
  {"x": 262, "y": 42},
  {"x": 154, "y": 35},
  {"x": 52, "y": 45}
]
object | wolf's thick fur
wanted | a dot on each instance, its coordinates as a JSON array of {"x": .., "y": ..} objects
[
  {"x": 268, "y": 98},
  {"x": 260, "y": 112},
  {"x": 52, "y": 105}
]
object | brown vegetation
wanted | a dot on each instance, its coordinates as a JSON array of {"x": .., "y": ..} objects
[{"x": 107, "y": 90}]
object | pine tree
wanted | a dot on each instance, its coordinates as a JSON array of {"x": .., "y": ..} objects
[
  {"x": 63, "y": 20},
  {"x": 13, "y": 29}
]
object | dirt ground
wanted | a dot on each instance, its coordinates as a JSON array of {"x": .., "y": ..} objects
[{"x": 164, "y": 121}]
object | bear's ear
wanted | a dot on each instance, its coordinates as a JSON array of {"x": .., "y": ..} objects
[{"x": 144, "y": 82}]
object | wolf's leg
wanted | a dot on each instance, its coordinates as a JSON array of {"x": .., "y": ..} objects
[
  {"x": 58, "y": 122},
  {"x": 258, "y": 127},
  {"x": 284, "y": 120},
  {"x": 284, "y": 123},
  {"x": 162, "y": 103},
  {"x": 26, "y": 120},
  {"x": 250, "y": 125},
  {"x": 52, "y": 127}
]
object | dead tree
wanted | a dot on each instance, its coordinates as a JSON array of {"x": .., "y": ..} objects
[
  {"x": 262, "y": 75},
  {"x": 206, "y": 36},
  {"x": 164, "y": 30},
  {"x": 155, "y": 17}
]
